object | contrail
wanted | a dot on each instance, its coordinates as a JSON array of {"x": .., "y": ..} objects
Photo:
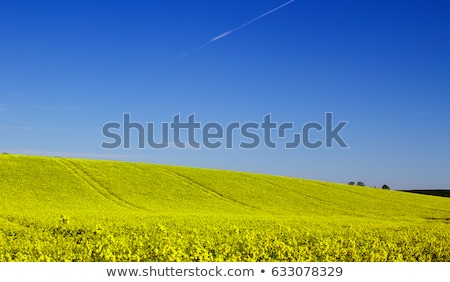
[{"x": 220, "y": 36}]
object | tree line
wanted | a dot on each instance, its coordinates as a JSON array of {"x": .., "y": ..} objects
[{"x": 360, "y": 183}]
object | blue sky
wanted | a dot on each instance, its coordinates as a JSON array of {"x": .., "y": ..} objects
[{"x": 69, "y": 67}]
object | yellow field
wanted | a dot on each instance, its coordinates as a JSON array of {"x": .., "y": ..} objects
[{"x": 57, "y": 209}]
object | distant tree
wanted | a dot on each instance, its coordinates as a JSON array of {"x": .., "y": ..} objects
[
  {"x": 351, "y": 183},
  {"x": 360, "y": 183},
  {"x": 5, "y": 153},
  {"x": 385, "y": 187}
]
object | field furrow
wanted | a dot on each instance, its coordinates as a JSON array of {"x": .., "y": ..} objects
[
  {"x": 94, "y": 185},
  {"x": 209, "y": 191}
]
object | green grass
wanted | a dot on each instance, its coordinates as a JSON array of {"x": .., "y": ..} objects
[{"x": 57, "y": 209}]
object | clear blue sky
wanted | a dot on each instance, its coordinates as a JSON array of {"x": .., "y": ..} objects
[{"x": 68, "y": 67}]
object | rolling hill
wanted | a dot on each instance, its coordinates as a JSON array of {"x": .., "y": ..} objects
[
  {"x": 47, "y": 185},
  {"x": 36, "y": 192}
]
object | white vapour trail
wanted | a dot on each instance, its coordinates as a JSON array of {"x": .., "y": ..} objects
[
  {"x": 249, "y": 22},
  {"x": 220, "y": 36}
]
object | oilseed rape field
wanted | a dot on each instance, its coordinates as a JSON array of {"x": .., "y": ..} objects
[{"x": 61, "y": 209}]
